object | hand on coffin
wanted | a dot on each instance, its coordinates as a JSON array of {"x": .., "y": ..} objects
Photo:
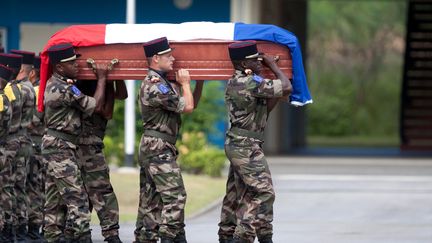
[
  {"x": 269, "y": 60},
  {"x": 183, "y": 77},
  {"x": 101, "y": 71}
]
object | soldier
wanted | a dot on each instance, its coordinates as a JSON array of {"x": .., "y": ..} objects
[
  {"x": 13, "y": 144},
  {"x": 28, "y": 108},
  {"x": 249, "y": 99},
  {"x": 66, "y": 208},
  {"x": 36, "y": 174},
  {"x": 5, "y": 168},
  {"x": 162, "y": 193},
  {"x": 95, "y": 171}
]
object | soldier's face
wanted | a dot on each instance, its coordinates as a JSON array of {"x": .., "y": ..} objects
[
  {"x": 69, "y": 69},
  {"x": 165, "y": 62},
  {"x": 254, "y": 64}
]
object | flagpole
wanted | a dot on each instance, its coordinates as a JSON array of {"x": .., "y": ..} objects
[{"x": 130, "y": 101}]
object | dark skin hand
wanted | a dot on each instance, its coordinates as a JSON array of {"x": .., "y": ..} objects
[
  {"x": 109, "y": 101},
  {"x": 101, "y": 74}
]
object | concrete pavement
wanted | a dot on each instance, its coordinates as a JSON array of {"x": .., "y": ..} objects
[{"x": 338, "y": 200}]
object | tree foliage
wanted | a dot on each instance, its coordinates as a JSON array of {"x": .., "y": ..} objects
[{"x": 355, "y": 54}]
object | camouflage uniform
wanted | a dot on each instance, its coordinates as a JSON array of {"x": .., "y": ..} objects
[
  {"x": 95, "y": 173},
  {"x": 36, "y": 175},
  {"x": 246, "y": 98},
  {"x": 5, "y": 168},
  {"x": 162, "y": 193},
  {"x": 66, "y": 207},
  {"x": 22, "y": 162},
  {"x": 12, "y": 147}
]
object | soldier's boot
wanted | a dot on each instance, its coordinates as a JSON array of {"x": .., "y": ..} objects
[
  {"x": 265, "y": 239},
  {"x": 113, "y": 239},
  {"x": 21, "y": 234},
  {"x": 227, "y": 240},
  {"x": 237, "y": 239},
  {"x": 34, "y": 235},
  {"x": 167, "y": 240},
  {"x": 6, "y": 234},
  {"x": 180, "y": 238}
]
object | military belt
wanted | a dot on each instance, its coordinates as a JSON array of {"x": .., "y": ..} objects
[
  {"x": 246, "y": 133},
  {"x": 166, "y": 137},
  {"x": 65, "y": 136}
]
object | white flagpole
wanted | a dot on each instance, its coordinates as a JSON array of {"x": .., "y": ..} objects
[{"x": 130, "y": 101}]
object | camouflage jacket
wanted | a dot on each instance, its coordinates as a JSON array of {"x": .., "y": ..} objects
[
  {"x": 93, "y": 130},
  {"x": 29, "y": 102},
  {"x": 65, "y": 106},
  {"x": 5, "y": 116},
  {"x": 246, "y": 100},
  {"x": 13, "y": 93},
  {"x": 161, "y": 104},
  {"x": 37, "y": 122}
]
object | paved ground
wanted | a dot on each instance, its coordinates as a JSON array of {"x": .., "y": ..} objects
[{"x": 338, "y": 200}]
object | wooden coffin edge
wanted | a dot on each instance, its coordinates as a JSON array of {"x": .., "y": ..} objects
[{"x": 205, "y": 59}]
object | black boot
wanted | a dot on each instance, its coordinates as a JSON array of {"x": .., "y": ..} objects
[
  {"x": 21, "y": 234},
  {"x": 180, "y": 238},
  {"x": 113, "y": 239},
  {"x": 237, "y": 239},
  {"x": 265, "y": 239},
  {"x": 167, "y": 240},
  {"x": 228, "y": 240},
  {"x": 6, "y": 235},
  {"x": 34, "y": 235}
]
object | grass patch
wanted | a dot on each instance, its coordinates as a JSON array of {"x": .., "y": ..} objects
[{"x": 201, "y": 190}]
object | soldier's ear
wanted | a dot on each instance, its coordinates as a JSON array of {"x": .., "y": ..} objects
[{"x": 156, "y": 58}]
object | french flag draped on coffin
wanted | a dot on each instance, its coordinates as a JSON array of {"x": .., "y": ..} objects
[{"x": 104, "y": 34}]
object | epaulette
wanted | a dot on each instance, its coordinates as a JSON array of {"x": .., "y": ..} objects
[
  {"x": 9, "y": 92},
  {"x": 36, "y": 89},
  {"x": 1, "y": 103}
]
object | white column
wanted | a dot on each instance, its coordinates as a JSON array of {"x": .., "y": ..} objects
[
  {"x": 130, "y": 101},
  {"x": 246, "y": 11}
]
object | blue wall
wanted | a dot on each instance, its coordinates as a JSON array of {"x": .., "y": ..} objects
[{"x": 104, "y": 11}]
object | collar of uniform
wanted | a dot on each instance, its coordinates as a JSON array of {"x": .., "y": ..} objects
[
  {"x": 62, "y": 78},
  {"x": 160, "y": 73}
]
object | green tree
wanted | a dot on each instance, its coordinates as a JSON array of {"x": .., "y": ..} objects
[{"x": 355, "y": 52}]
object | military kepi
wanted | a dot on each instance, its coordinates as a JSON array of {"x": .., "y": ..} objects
[
  {"x": 27, "y": 56},
  {"x": 63, "y": 52},
  {"x": 37, "y": 62},
  {"x": 243, "y": 50},
  {"x": 11, "y": 60},
  {"x": 5, "y": 72},
  {"x": 158, "y": 46}
]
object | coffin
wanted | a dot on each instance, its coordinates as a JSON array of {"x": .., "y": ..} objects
[{"x": 205, "y": 59}]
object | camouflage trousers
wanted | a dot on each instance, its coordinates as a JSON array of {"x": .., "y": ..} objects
[
  {"x": 162, "y": 192},
  {"x": 36, "y": 187},
  {"x": 66, "y": 206},
  {"x": 21, "y": 170},
  {"x": 247, "y": 209},
  {"x": 5, "y": 175},
  {"x": 7, "y": 197},
  {"x": 95, "y": 174}
]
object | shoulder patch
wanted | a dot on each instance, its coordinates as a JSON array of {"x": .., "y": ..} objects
[
  {"x": 257, "y": 78},
  {"x": 75, "y": 90},
  {"x": 1, "y": 103},
  {"x": 163, "y": 88}
]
